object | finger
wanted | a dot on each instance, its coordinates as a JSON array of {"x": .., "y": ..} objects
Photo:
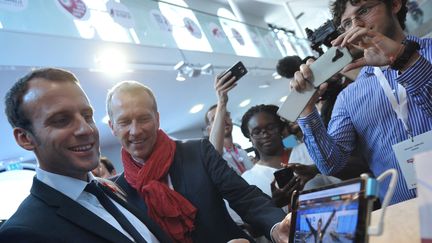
[
  {"x": 322, "y": 88},
  {"x": 306, "y": 72},
  {"x": 361, "y": 62},
  {"x": 310, "y": 61},
  {"x": 273, "y": 185}
]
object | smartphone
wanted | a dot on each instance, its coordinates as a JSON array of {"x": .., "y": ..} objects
[
  {"x": 238, "y": 70},
  {"x": 283, "y": 176},
  {"x": 322, "y": 69}
]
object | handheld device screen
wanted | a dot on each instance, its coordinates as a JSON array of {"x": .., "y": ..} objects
[{"x": 330, "y": 215}]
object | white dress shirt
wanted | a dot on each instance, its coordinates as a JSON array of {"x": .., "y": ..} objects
[{"x": 74, "y": 189}]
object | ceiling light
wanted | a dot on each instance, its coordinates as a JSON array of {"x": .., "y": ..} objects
[
  {"x": 245, "y": 103},
  {"x": 264, "y": 86},
  {"x": 196, "y": 108},
  {"x": 180, "y": 77},
  {"x": 276, "y": 75},
  {"x": 180, "y": 65},
  {"x": 283, "y": 98},
  {"x": 111, "y": 61},
  {"x": 207, "y": 69}
]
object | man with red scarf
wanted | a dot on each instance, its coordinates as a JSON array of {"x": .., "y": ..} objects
[{"x": 182, "y": 184}]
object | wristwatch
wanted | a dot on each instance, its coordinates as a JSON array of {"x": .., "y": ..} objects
[{"x": 410, "y": 48}]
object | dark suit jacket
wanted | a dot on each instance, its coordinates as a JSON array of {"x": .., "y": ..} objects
[
  {"x": 201, "y": 175},
  {"x": 47, "y": 215}
]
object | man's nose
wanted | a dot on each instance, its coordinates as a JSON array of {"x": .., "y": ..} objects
[
  {"x": 357, "y": 21},
  {"x": 84, "y": 128},
  {"x": 135, "y": 128}
]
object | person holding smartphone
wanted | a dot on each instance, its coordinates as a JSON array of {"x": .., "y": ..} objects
[
  {"x": 219, "y": 126},
  {"x": 389, "y": 105}
]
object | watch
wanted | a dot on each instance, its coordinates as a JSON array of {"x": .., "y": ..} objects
[{"x": 410, "y": 48}]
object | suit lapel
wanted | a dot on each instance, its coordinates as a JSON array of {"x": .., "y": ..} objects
[
  {"x": 76, "y": 214},
  {"x": 151, "y": 225},
  {"x": 176, "y": 172}
]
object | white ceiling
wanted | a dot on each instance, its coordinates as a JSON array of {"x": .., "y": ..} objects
[{"x": 23, "y": 51}]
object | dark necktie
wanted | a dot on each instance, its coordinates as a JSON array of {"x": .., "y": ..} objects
[{"x": 114, "y": 211}]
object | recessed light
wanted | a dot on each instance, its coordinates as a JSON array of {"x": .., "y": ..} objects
[
  {"x": 196, "y": 108},
  {"x": 245, "y": 103},
  {"x": 283, "y": 98},
  {"x": 276, "y": 75}
]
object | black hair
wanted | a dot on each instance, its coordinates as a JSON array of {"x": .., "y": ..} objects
[
  {"x": 108, "y": 164},
  {"x": 338, "y": 8},
  {"x": 14, "y": 97},
  {"x": 269, "y": 109},
  {"x": 287, "y": 66}
]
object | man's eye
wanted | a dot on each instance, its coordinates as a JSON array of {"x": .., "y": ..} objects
[{"x": 363, "y": 11}]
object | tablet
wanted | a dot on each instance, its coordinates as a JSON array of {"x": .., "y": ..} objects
[{"x": 335, "y": 213}]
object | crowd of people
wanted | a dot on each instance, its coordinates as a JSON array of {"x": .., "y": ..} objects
[{"x": 209, "y": 190}]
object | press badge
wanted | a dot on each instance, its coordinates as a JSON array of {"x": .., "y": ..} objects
[{"x": 405, "y": 152}]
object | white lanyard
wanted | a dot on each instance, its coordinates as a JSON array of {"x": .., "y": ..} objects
[{"x": 401, "y": 107}]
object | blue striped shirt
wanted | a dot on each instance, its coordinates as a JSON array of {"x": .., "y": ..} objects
[{"x": 363, "y": 116}]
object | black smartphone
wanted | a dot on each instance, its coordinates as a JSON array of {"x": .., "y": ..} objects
[
  {"x": 283, "y": 176},
  {"x": 238, "y": 70}
]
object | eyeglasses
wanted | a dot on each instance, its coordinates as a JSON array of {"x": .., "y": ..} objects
[
  {"x": 271, "y": 128},
  {"x": 362, "y": 14}
]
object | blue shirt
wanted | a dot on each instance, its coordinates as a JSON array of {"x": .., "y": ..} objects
[{"x": 363, "y": 116}]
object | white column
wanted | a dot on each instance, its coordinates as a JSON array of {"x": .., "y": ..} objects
[
  {"x": 292, "y": 18},
  {"x": 236, "y": 10}
]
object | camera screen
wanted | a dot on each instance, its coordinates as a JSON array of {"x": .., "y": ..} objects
[{"x": 329, "y": 215}]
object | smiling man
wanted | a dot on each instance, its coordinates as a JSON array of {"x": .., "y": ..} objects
[
  {"x": 181, "y": 184},
  {"x": 51, "y": 116}
]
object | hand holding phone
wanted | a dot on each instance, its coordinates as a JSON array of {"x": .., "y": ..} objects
[
  {"x": 322, "y": 69},
  {"x": 238, "y": 70},
  {"x": 283, "y": 176}
]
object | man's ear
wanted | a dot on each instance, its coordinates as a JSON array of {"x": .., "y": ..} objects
[
  {"x": 24, "y": 138},
  {"x": 111, "y": 125},
  {"x": 157, "y": 118}
]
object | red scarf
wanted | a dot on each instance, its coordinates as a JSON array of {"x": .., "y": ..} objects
[{"x": 174, "y": 213}]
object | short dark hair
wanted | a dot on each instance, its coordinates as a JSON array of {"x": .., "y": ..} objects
[
  {"x": 14, "y": 97},
  {"x": 338, "y": 8},
  {"x": 287, "y": 66},
  {"x": 269, "y": 109},
  {"x": 206, "y": 120},
  {"x": 108, "y": 164}
]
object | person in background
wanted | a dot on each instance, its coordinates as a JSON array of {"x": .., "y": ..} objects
[
  {"x": 105, "y": 168},
  {"x": 263, "y": 127},
  {"x": 51, "y": 116},
  {"x": 388, "y": 106},
  {"x": 219, "y": 127},
  {"x": 181, "y": 184}
]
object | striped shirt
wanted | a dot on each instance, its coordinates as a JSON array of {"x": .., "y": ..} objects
[{"x": 363, "y": 116}]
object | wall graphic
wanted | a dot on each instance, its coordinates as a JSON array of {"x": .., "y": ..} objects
[{"x": 76, "y": 8}]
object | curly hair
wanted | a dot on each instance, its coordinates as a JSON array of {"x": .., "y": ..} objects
[
  {"x": 287, "y": 66},
  {"x": 337, "y": 9},
  {"x": 269, "y": 109},
  {"x": 14, "y": 97}
]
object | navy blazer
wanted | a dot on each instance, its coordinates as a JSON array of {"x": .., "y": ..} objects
[
  {"x": 48, "y": 215},
  {"x": 203, "y": 177}
]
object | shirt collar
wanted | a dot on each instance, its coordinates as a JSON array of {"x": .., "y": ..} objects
[{"x": 69, "y": 186}]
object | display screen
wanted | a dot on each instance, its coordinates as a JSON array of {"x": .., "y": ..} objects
[{"x": 329, "y": 215}]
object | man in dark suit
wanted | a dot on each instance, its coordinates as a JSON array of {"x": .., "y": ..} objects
[
  {"x": 51, "y": 116},
  {"x": 181, "y": 184}
]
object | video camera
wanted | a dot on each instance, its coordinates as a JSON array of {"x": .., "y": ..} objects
[{"x": 322, "y": 36}]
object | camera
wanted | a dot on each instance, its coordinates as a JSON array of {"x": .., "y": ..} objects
[{"x": 322, "y": 36}]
